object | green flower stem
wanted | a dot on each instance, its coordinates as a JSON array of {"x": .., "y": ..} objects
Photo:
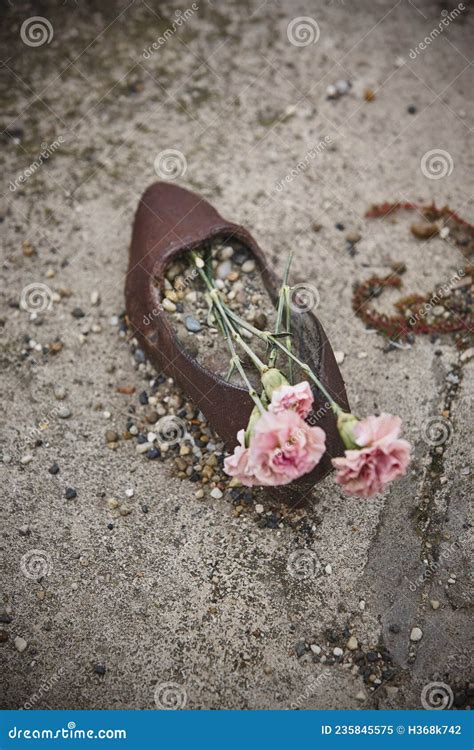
[
  {"x": 268, "y": 338},
  {"x": 286, "y": 294}
]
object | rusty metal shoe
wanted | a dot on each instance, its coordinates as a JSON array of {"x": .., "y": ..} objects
[{"x": 169, "y": 222}]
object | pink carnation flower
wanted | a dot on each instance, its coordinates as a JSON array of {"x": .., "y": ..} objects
[
  {"x": 381, "y": 458},
  {"x": 297, "y": 397},
  {"x": 284, "y": 448},
  {"x": 236, "y": 465}
]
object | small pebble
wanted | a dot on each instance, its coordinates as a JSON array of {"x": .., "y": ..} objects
[
  {"x": 352, "y": 643},
  {"x": 315, "y": 649},
  {"x": 259, "y": 508},
  {"x": 328, "y": 569},
  {"x": 248, "y": 266},
  {"x": 199, "y": 494},
  {"x": 411, "y": 109},
  {"x": 168, "y": 305},
  {"x": 78, "y": 313},
  {"x": 20, "y": 644},
  {"x": 339, "y": 357},
  {"x": 95, "y": 298},
  {"x": 416, "y": 634},
  {"x": 70, "y": 493},
  {"x": 338, "y": 651},
  {"x": 192, "y": 325},
  {"x": 99, "y": 669},
  {"x": 59, "y": 392},
  {"x": 54, "y": 469},
  {"x": 111, "y": 436},
  {"x": 434, "y": 603},
  {"x": 64, "y": 412},
  {"x": 216, "y": 493},
  {"x": 26, "y": 459},
  {"x": 130, "y": 492},
  {"x": 24, "y": 530}
]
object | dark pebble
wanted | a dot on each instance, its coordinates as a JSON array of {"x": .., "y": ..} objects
[
  {"x": 145, "y": 508},
  {"x": 372, "y": 656},
  {"x": 394, "y": 628},
  {"x": 331, "y": 636},
  {"x": 99, "y": 669},
  {"x": 139, "y": 356},
  {"x": 110, "y": 526},
  {"x": 142, "y": 438},
  {"x": 70, "y": 493},
  {"x": 300, "y": 649},
  {"x": 143, "y": 398},
  {"x": 340, "y": 226},
  {"x": 195, "y": 477},
  {"x": 78, "y": 313},
  {"x": 5, "y": 619},
  {"x": 411, "y": 109},
  {"x": 54, "y": 469},
  {"x": 153, "y": 453},
  {"x": 3, "y": 636},
  {"x": 179, "y": 307}
]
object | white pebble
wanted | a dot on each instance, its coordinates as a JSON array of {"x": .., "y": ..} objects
[
  {"x": 328, "y": 569},
  {"x": 338, "y": 651},
  {"x": 416, "y": 634},
  {"x": 144, "y": 447},
  {"x": 64, "y": 412},
  {"x": 20, "y": 644},
  {"x": 168, "y": 305},
  {"x": 362, "y": 605},
  {"x": 26, "y": 459},
  {"x": 223, "y": 269},
  {"x": 248, "y": 266},
  {"x": 95, "y": 298},
  {"x": 259, "y": 509},
  {"x": 226, "y": 252},
  {"x": 315, "y": 649},
  {"x": 216, "y": 493},
  {"x": 339, "y": 357},
  {"x": 130, "y": 492}
]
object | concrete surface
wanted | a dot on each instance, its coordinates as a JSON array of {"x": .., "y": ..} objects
[{"x": 188, "y": 593}]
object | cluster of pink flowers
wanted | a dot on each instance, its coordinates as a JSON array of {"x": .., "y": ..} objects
[{"x": 279, "y": 446}]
